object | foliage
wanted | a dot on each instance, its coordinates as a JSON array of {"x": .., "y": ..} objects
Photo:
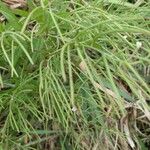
[{"x": 75, "y": 75}]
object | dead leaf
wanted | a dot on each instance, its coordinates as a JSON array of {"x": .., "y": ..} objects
[
  {"x": 83, "y": 67},
  {"x": 127, "y": 133},
  {"x": 16, "y": 3},
  {"x": 125, "y": 128},
  {"x": 105, "y": 90}
]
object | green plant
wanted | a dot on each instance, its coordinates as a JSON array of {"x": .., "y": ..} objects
[{"x": 75, "y": 75}]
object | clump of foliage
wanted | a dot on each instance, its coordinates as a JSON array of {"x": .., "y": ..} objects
[{"x": 75, "y": 74}]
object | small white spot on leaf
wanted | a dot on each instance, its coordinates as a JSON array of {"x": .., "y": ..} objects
[
  {"x": 125, "y": 36},
  {"x": 83, "y": 66},
  {"x": 74, "y": 109},
  {"x": 138, "y": 45}
]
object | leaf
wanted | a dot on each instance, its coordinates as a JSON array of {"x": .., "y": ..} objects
[
  {"x": 11, "y": 18},
  {"x": 122, "y": 92},
  {"x": 120, "y": 2},
  {"x": 143, "y": 147}
]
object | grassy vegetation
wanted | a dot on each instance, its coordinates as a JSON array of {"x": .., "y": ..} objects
[{"x": 75, "y": 74}]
